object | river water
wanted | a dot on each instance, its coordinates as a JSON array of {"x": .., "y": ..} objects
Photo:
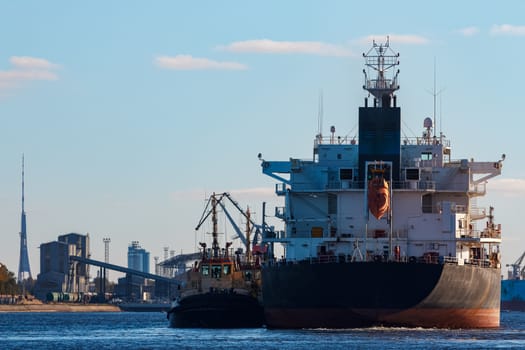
[{"x": 149, "y": 330}]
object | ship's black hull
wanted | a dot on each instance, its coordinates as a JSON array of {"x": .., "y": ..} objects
[
  {"x": 217, "y": 310},
  {"x": 349, "y": 295}
]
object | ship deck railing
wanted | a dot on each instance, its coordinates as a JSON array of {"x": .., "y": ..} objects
[
  {"x": 359, "y": 185},
  {"x": 406, "y": 185},
  {"x": 450, "y": 260},
  {"x": 425, "y": 259},
  {"x": 478, "y": 262},
  {"x": 409, "y": 185},
  {"x": 470, "y": 234},
  {"x": 347, "y": 140}
]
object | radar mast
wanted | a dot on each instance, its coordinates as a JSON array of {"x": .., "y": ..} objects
[{"x": 381, "y": 59}]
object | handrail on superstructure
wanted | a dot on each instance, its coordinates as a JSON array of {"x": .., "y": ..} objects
[{"x": 331, "y": 140}]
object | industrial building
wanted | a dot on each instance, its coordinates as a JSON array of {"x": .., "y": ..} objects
[
  {"x": 133, "y": 287},
  {"x": 60, "y": 274},
  {"x": 138, "y": 257},
  {"x": 57, "y": 273}
]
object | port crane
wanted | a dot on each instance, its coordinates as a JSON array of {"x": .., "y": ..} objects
[{"x": 517, "y": 273}]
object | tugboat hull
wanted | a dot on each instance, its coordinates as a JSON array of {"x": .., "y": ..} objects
[
  {"x": 349, "y": 295},
  {"x": 217, "y": 310}
]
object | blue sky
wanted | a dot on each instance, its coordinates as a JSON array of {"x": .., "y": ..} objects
[{"x": 130, "y": 113}]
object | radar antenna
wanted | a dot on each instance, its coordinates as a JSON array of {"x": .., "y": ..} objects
[{"x": 320, "y": 118}]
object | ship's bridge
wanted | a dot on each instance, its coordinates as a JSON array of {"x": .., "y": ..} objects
[{"x": 425, "y": 165}]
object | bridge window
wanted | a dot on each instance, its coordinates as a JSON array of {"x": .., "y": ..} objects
[
  {"x": 247, "y": 275},
  {"x": 205, "y": 270},
  {"x": 412, "y": 173},
  {"x": 426, "y": 156},
  {"x": 216, "y": 271},
  {"x": 226, "y": 269},
  {"x": 346, "y": 174}
]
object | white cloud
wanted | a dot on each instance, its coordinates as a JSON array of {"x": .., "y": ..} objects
[
  {"x": 188, "y": 62},
  {"x": 508, "y": 187},
  {"x": 395, "y": 38},
  {"x": 469, "y": 31},
  {"x": 287, "y": 47},
  {"x": 27, "y": 69},
  {"x": 27, "y": 62},
  {"x": 507, "y": 29},
  {"x": 18, "y": 75}
]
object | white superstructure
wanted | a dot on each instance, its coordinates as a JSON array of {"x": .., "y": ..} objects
[{"x": 432, "y": 212}]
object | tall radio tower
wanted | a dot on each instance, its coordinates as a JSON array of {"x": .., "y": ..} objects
[{"x": 24, "y": 271}]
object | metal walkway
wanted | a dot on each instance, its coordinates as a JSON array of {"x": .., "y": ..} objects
[
  {"x": 180, "y": 259},
  {"x": 123, "y": 269}
]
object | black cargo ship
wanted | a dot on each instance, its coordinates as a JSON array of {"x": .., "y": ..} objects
[
  {"x": 365, "y": 294},
  {"x": 382, "y": 229}
]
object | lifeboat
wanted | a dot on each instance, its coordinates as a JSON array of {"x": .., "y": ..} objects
[{"x": 378, "y": 197}]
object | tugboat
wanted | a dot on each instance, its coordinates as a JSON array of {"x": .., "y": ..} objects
[
  {"x": 222, "y": 290},
  {"x": 382, "y": 230}
]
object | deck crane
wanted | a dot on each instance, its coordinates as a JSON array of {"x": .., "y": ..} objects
[
  {"x": 517, "y": 272},
  {"x": 250, "y": 224},
  {"x": 246, "y": 215}
]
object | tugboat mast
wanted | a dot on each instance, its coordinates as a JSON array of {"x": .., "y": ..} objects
[{"x": 215, "y": 244}]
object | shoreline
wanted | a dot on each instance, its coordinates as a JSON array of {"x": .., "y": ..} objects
[{"x": 59, "y": 308}]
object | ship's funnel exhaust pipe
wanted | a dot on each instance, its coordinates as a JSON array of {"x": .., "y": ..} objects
[{"x": 385, "y": 101}]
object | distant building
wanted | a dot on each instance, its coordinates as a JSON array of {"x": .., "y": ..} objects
[
  {"x": 57, "y": 274},
  {"x": 134, "y": 287},
  {"x": 138, "y": 258},
  {"x": 81, "y": 243}
]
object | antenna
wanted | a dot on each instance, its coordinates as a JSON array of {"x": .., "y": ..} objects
[
  {"x": 320, "y": 116},
  {"x": 434, "y": 114},
  {"x": 434, "y": 95},
  {"x": 440, "y": 117}
]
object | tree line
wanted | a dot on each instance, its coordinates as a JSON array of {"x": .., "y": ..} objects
[{"x": 8, "y": 283}]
